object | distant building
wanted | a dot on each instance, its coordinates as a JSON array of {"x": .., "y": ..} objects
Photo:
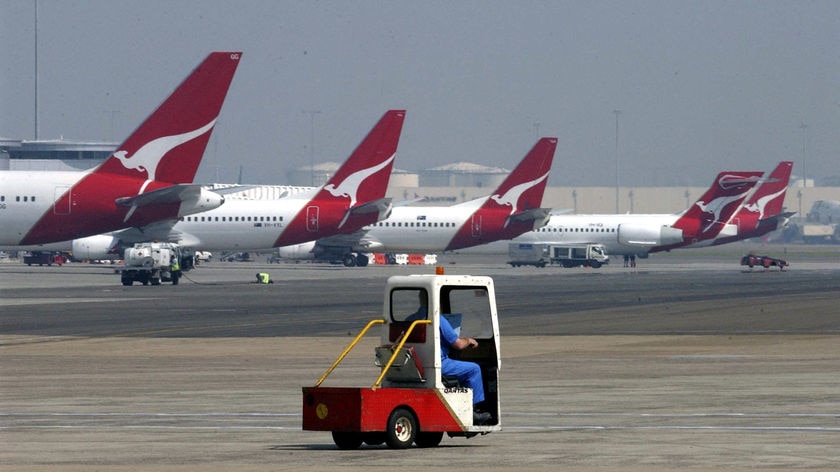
[
  {"x": 319, "y": 174},
  {"x": 463, "y": 174},
  {"x": 58, "y": 154}
]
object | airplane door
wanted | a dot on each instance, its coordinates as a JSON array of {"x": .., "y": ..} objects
[
  {"x": 62, "y": 209},
  {"x": 312, "y": 213},
  {"x": 476, "y": 226}
]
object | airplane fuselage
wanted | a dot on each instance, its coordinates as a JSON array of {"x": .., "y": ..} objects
[
  {"x": 262, "y": 224},
  {"x": 438, "y": 229}
]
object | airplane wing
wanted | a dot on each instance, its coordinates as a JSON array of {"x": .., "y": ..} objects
[
  {"x": 159, "y": 231},
  {"x": 358, "y": 241},
  {"x": 172, "y": 194}
]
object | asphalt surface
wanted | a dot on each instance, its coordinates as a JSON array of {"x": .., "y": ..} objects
[{"x": 687, "y": 361}]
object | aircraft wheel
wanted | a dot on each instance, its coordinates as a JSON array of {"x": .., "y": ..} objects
[
  {"x": 428, "y": 439},
  {"x": 345, "y": 440},
  {"x": 401, "y": 430},
  {"x": 349, "y": 260}
]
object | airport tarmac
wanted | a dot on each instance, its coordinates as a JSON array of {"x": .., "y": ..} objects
[{"x": 687, "y": 362}]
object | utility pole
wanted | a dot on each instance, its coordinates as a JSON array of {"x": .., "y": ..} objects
[
  {"x": 804, "y": 128},
  {"x": 312, "y": 114},
  {"x": 617, "y": 167}
]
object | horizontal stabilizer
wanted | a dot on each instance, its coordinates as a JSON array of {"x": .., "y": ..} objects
[
  {"x": 781, "y": 217},
  {"x": 172, "y": 194},
  {"x": 534, "y": 214},
  {"x": 381, "y": 205}
]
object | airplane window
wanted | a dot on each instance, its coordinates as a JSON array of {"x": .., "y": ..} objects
[
  {"x": 3, "y": 198},
  {"x": 17, "y": 198}
]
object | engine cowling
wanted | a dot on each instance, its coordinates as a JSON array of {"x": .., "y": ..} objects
[
  {"x": 100, "y": 246},
  {"x": 647, "y": 235},
  {"x": 297, "y": 251},
  {"x": 204, "y": 201}
]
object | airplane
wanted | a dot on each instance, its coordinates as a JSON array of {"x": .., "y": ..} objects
[
  {"x": 512, "y": 209},
  {"x": 639, "y": 234},
  {"x": 762, "y": 212},
  {"x": 353, "y": 198},
  {"x": 148, "y": 178}
]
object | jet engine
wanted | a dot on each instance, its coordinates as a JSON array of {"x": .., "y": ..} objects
[
  {"x": 100, "y": 246},
  {"x": 202, "y": 201},
  {"x": 646, "y": 235}
]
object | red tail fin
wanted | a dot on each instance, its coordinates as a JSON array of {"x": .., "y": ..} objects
[
  {"x": 370, "y": 164},
  {"x": 708, "y": 214},
  {"x": 523, "y": 189},
  {"x": 521, "y": 192},
  {"x": 168, "y": 146},
  {"x": 361, "y": 180},
  {"x": 769, "y": 198}
]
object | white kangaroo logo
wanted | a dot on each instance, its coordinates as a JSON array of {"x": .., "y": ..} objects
[
  {"x": 716, "y": 206},
  {"x": 511, "y": 197},
  {"x": 349, "y": 187},
  {"x": 147, "y": 158},
  {"x": 758, "y": 206}
]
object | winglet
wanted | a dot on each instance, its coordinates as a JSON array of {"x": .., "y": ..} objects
[{"x": 168, "y": 146}]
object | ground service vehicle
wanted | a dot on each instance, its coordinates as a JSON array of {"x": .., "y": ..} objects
[
  {"x": 751, "y": 260},
  {"x": 43, "y": 258},
  {"x": 587, "y": 255},
  {"x": 535, "y": 254},
  {"x": 151, "y": 263},
  {"x": 410, "y": 401}
]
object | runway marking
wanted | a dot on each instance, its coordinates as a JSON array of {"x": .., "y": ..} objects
[
  {"x": 53, "y": 301},
  {"x": 27, "y": 420}
]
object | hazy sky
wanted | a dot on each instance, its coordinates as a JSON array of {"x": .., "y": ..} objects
[{"x": 702, "y": 86}]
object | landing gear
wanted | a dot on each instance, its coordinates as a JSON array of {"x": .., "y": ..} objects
[{"x": 352, "y": 260}]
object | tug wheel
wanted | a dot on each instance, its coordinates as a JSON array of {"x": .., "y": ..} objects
[
  {"x": 428, "y": 439},
  {"x": 401, "y": 430},
  {"x": 345, "y": 440},
  {"x": 373, "y": 439}
]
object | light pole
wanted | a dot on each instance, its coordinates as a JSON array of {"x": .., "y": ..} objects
[
  {"x": 617, "y": 169},
  {"x": 804, "y": 128},
  {"x": 312, "y": 114}
]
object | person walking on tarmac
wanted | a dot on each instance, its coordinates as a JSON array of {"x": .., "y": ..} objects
[{"x": 174, "y": 270}]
